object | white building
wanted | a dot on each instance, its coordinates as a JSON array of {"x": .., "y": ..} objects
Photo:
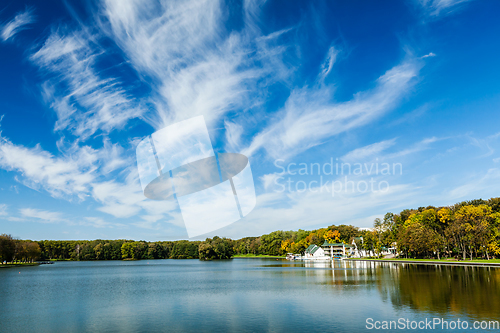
[
  {"x": 338, "y": 250},
  {"x": 314, "y": 252}
]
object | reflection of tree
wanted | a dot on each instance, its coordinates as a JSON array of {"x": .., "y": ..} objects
[
  {"x": 436, "y": 289},
  {"x": 443, "y": 289}
]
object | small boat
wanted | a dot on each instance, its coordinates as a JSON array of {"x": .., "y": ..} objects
[{"x": 291, "y": 256}]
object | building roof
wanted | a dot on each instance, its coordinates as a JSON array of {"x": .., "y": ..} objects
[
  {"x": 312, "y": 249},
  {"x": 336, "y": 244},
  {"x": 332, "y": 244},
  {"x": 309, "y": 248}
]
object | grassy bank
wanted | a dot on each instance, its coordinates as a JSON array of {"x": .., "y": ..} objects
[
  {"x": 19, "y": 264},
  {"x": 446, "y": 261},
  {"x": 257, "y": 256},
  {"x": 496, "y": 261}
]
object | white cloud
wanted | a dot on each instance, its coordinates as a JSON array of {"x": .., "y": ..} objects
[
  {"x": 269, "y": 179},
  {"x": 483, "y": 144},
  {"x": 413, "y": 115},
  {"x": 196, "y": 66},
  {"x": 319, "y": 208},
  {"x": 3, "y": 210},
  {"x": 328, "y": 64},
  {"x": 414, "y": 148},
  {"x": 441, "y": 7},
  {"x": 42, "y": 215},
  {"x": 126, "y": 199},
  {"x": 431, "y": 54},
  {"x": 494, "y": 136},
  {"x": 193, "y": 66},
  {"x": 118, "y": 199},
  {"x": 45, "y": 216},
  {"x": 84, "y": 172},
  {"x": 233, "y": 135},
  {"x": 368, "y": 151},
  {"x": 83, "y": 101},
  {"x": 19, "y": 23},
  {"x": 80, "y": 172},
  {"x": 61, "y": 177},
  {"x": 483, "y": 186},
  {"x": 98, "y": 222},
  {"x": 309, "y": 116}
]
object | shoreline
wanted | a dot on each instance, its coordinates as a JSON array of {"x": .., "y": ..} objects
[
  {"x": 19, "y": 265},
  {"x": 432, "y": 262},
  {"x": 257, "y": 257}
]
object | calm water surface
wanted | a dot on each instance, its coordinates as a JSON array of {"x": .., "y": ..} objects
[{"x": 239, "y": 295}]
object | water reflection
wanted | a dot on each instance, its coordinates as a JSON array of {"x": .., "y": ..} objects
[
  {"x": 244, "y": 295},
  {"x": 438, "y": 289},
  {"x": 474, "y": 291}
]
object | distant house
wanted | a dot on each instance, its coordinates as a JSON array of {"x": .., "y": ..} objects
[
  {"x": 337, "y": 250},
  {"x": 358, "y": 251},
  {"x": 314, "y": 251}
]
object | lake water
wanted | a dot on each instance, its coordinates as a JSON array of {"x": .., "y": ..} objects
[{"x": 240, "y": 295}]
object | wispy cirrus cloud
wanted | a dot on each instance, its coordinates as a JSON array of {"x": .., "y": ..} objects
[
  {"x": 328, "y": 64},
  {"x": 19, "y": 23},
  {"x": 84, "y": 101},
  {"x": 46, "y": 216},
  {"x": 368, "y": 151},
  {"x": 441, "y": 7},
  {"x": 477, "y": 185},
  {"x": 195, "y": 64},
  {"x": 59, "y": 176},
  {"x": 415, "y": 147},
  {"x": 309, "y": 115},
  {"x": 188, "y": 58},
  {"x": 83, "y": 173},
  {"x": 66, "y": 176},
  {"x": 183, "y": 52},
  {"x": 42, "y": 215},
  {"x": 98, "y": 222},
  {"x": 119, "y": 199},
  {"x": 233, "y": 135},
  {"x": 486, "y": 146},
  {"x": 126, "y": 199},
  {"x": 320, "y": 207},
  {"x": 3, "y": 210}
]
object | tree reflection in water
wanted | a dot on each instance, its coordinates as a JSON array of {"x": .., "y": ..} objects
[
  {"x": 470, "y": 290},
  {"x": 437, "y": 289}
]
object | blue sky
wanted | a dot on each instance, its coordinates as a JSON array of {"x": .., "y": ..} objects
[{"x": 410, "y": 83}]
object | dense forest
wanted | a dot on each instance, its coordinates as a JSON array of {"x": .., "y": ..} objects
[{"x": 469, "y": 229}]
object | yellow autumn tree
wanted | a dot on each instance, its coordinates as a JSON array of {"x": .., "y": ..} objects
[
  {"x": 332, "y": 236},
  {"x": 285, "y": 246}
]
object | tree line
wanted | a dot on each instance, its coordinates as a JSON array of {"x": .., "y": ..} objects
[
  {"x": 470, "y": 229},
  {"x": 15, "y": 250}
]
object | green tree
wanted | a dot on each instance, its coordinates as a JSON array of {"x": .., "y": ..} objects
[
  {"x": 127, "y": 250},
  {"x": 32, "y": 251},
  {"x": 7, "y": 248},
  {"x": 215, "y": 248},
  {"x": 470, "y": 228}
]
